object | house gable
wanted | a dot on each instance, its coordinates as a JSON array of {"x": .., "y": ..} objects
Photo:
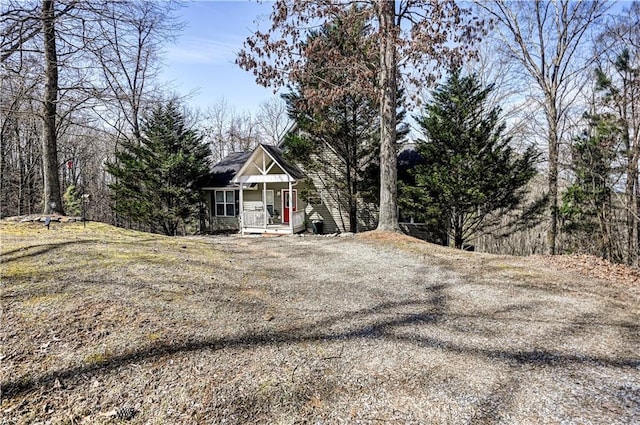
[{"x": 266, "y": 164}]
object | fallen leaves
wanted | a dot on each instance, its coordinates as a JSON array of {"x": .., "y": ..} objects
[{"x": 596, "y": 267}]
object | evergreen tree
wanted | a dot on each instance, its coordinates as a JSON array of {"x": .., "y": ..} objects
[
  {"x": 337, "y": 146},
  {"x": 618, "y": 84},
  {"x": 469, "y": 177},
  {"x": 587, "y": 210},
  {"x": 155, "y": 177},
  {"x": 338, "y": 141},
  {"x": 72, "y": 204}
]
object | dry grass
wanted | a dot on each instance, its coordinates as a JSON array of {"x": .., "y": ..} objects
[{"x": 104, "y": 325}]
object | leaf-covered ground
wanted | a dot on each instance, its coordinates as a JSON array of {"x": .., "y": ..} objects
[{"x": 104, "y": 325}]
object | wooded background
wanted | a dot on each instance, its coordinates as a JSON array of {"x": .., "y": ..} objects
[{"x": 79, "y": 78}]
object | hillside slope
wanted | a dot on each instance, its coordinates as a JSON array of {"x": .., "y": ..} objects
[{"x": 104, "y": 325}]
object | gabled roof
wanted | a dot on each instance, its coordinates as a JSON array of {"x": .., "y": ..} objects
[
  {"x": 291, "y": 172},
  {"x": 287, "y": 167},
  {"x": 223, "y": 172}
]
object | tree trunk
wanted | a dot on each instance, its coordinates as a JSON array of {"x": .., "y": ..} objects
[
  {"x": 635, "y": 199},
  {"x": 388, "y": 216},
  {"x": 637, "y": 223},
  {"x": 457, "y": 240},
  {"x": 552, "y": 178},
  {"x": 352, "y": 192},
  {"x": 52, "y": 198},
  {"x": 631, "y": 191},
  {"x": 353, "y": 212}
]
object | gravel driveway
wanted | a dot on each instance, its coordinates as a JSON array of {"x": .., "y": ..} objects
[
  {"x": 323, "y": 330},
  {"x": 376, "y": 334}
]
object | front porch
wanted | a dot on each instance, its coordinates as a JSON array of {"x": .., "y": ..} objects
[
  {"x": 256, "y": 222},
  {"x": 268, "y": 201}
]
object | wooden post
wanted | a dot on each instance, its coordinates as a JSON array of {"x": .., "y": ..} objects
[
  {"x": 264, "y": 204},
  {"x": 290, "y": 207},
  {"x": 241, "y": 210}
]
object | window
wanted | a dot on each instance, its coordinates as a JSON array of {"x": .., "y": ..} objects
[
  {"x": 270, "y": 202},
  {"x": 225, "y": 203}
]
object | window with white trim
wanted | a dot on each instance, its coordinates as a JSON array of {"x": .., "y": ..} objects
[{"x": 225, "y": 203}]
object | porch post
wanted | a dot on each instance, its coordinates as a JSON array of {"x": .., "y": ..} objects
[
  {"x": 290, "y": 206},
  {"x": 264, "y": 204},
  {"x": 241, "y": 210}
]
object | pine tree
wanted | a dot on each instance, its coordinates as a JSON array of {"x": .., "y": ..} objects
[
  {"x": 155, "y": 176},
  {"x": 469, "y": 177},
  {"x": 72, "y": 203},
  {"x": 587, "y": 209},
  {"x": 340, "y": 139},
  {"x": 619, "y": 88}
]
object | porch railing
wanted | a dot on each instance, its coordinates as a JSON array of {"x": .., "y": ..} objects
[
  {"x": 254, "y": 218},
  {"x": 298, "y": 220}
]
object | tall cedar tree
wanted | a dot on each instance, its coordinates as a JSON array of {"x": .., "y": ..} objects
[
  {"x": 155, "y": 178},
  {"x": 414, "y": 36},
  {"x": 470, "y": 176},
  {"x": 338, "y": 141},
  {"x": 586, "y": 210}
]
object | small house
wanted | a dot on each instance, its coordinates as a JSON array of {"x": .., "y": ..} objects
[
  {"x": 256, "y": 192},
  {"x": 261, "y": 192}
]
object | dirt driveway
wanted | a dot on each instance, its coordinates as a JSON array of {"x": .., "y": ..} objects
[
  {"x": 333, "y": 330},
  {"x": 427, "y": 335}
]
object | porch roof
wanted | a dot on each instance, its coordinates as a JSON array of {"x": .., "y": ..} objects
[
  {"x": 261, "y": 165},
  {"x": 223, "y": 172}
]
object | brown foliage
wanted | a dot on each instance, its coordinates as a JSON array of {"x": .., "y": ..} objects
[{"x": 429, "y": 36}]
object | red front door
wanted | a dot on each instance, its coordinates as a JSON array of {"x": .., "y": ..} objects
[{"x": 285, "y": 204}]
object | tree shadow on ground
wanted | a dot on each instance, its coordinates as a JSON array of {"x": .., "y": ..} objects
[
  {"x": 39, "y": 249},
  {"x": 376, "y": 323},
  {"x": 31, "y": 251}
]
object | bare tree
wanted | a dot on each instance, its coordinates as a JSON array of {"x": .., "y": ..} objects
[
  {"x": 127, "y": 44},
  {"x": 618, "y": 81},
  {"x": 545, "y": 38},
  {"x": 98, "y": 59},
  {"x": 227, "y": 131},
  {"x": 417, "y": 35},
  {"x": 272, "y": 119},
  {"x": 243, "y": 132},
  {"x": 214, "y": 127},
  {"x": 20, "y": 136},
  {"x": 20, "y": 144}
]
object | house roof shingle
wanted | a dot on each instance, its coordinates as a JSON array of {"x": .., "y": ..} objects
[{"x": 222, "y": 172}]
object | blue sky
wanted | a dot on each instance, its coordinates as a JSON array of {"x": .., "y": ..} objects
[{"x": 201, "y": 62}]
